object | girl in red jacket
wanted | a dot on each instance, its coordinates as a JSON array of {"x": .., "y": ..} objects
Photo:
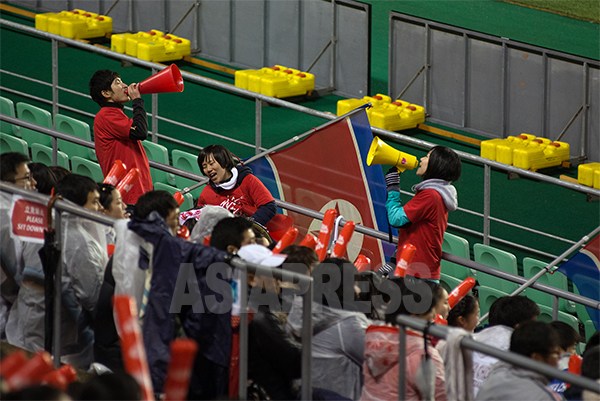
[{"x": 233, "y": 186}]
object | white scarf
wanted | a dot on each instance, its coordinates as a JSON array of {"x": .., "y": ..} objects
[{"x": 231, "y": 182}]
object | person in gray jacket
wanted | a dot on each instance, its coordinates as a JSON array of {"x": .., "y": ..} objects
[
  {"x": 538, "y": 341},
  {"x": 338, "y": 329}
]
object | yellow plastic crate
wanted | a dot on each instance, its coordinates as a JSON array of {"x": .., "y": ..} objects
[
  {"x": 276, "y": 81},
  {"x": 133, "y": 41},
  {"x": 396, "y": 116},
  {"x": 164, "y": 48},
  {"x": 554, "y": 154},
  {"x": 346, "y": 105},
  {"x": 76, "y": 24},
  {"x": 597, "y": 179},
  {"x": 504, "y": 151},
  {"x": 531, "y": 154},
  {"x": 488, "y": 148},
  {"x": 586, "y": 174}
]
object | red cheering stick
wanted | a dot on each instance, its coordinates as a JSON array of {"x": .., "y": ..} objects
[
  {"x": 309, "y": 241},
  {"x": 116, "y": 173},
  {"x": 575, "y": 364},
  {"x": 362, "y": 263},
  {"x": 460, "y": 291},
  {"x": 61, "y": 377},
  {"x": 132, "y": 344},
  {"x": 10, "y": 364},
  {"x": 339, "y": 249},
  {"x": 183, "y": 352},
  {"x": 30, "y": 373},
  {"x": 406, "y": 256},
  {"x": 325, "y": 234},
  {"x": 129, "y": 181},
  {"x": 183, "y": 232},
  {"x": 178, "y": 198},
  {"x": 288, "y": 238},
  {"x": 440, "y": 320}
]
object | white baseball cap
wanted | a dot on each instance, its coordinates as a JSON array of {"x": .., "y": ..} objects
[{"x": 261, "y": 255}]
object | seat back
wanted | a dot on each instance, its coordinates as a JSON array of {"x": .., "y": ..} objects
[
  {"x": 7, "y": 107},
  {"x": 487, "y": 296},
  {"x": 43, "y": 154},
  {"x": 87, "y": 167},
  {"x": 9, "y": 143},
  {"x": 498, "y": 259},
  {"x": 449, "y": 282},
  {"x": 546, "y": 316},
  {"x": 79, "y": 129},
  {"x": 458, "y": 246},
  {"x": 188, "y": 199},
  {"x": 187, "y": 162},
  {"x": 38, "y": 116},
  {"x": 160, "y": 154},
  {"x": 558, "y": 280}
]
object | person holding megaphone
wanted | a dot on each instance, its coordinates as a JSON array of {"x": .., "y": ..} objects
[
  {"x": 424, "y": 219},
  {"x": 117, "y": 136}
]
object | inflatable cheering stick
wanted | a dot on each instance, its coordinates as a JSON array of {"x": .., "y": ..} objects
[
  {"x": 31, "y": 373},
  {"x": 460, "y": 291},
  {"x": 183, "y": 352},
  {"x": 132, "y": 344},
  {"x": 116, "y": 173},
  {"x": 406, "y": 256},
  {"x": 288, "y": 238},
  {"x": 11, "y": 364},
  {"x": 339, "y": 249},
  {"x": 309, "y": 241},
  {"x": 325, "y": 234},
  {"x": 362, "y": 263},
  {"x": 128, "y": 182}
]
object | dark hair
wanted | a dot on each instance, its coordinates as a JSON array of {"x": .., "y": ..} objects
[
  {"x": 590, "y": 365},
  {"x": 221, "y": 154},
  {"x": 592, "y": 341},
  {"x": 106, "y": 194},
  {"x": 112, "y": 386},
  {"x": 534, "y": 337},
  {"x": 229, "y": 231},
  {"x": 43, "y": 176},
  {"x": 566, "y": 334},
  {"x": 463, "y": 308},
  {"x": 300, "y": 255},
  {"x": 369, "y": 291},
  {"x": 342, "y": 289},
  {"x": 76, "y": 188},
  {"x": 444, "y": 164},
  {"x": 59, "y": 172},
  {"x": 35, "y": 392},
  {"x": 154, "y": 201},
  {"x": 415, "y": 297},
  {"x": 8, "y": 165},
  {"x": 511, "y": 311},
  {"x": 101, "y": 81}
]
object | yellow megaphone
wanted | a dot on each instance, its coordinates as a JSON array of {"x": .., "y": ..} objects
[{"x": 382, "y": 153}]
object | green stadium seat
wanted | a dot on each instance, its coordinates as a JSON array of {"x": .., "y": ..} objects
[
  {"x": 9, "y": 143},
  {"x": 86, "y": 167},
  {"x": 34, "y": 115},
  {"x": 187, "y": 162},
  {"x": 71, "y": 126},
  {"x": 487, "y": 296},
  {"x": 458, "y": 246},
  {"x": 584, "y": 316},
  {"x": 188, "y": 200},
  {"x": 43, "y": 154},
  {"x": 449, "y": 282},
  {"x": 160, "y": 154},
  {"x": 7, "y": 107},
  {"x": 497, "y": 259},
  {"x": 558, "y": 280},
  {"x": 546, "y": 316},
  {"x": 589, "y": 328}
]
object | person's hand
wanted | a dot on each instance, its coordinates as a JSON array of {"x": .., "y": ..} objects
[
  {"x": 392, "y": 180},
  {"x": 133, "y": 90}
]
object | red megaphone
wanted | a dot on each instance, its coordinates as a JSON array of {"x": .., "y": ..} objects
[{"x": 167, "y": 80}]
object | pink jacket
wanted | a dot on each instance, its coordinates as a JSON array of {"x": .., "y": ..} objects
[{"x": 380, "y": 368}]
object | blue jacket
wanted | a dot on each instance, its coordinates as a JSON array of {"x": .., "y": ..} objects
[{"x": 212, "y": 331}]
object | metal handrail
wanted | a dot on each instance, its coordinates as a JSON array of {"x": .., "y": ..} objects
[{"x": 503, "y": 355}]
